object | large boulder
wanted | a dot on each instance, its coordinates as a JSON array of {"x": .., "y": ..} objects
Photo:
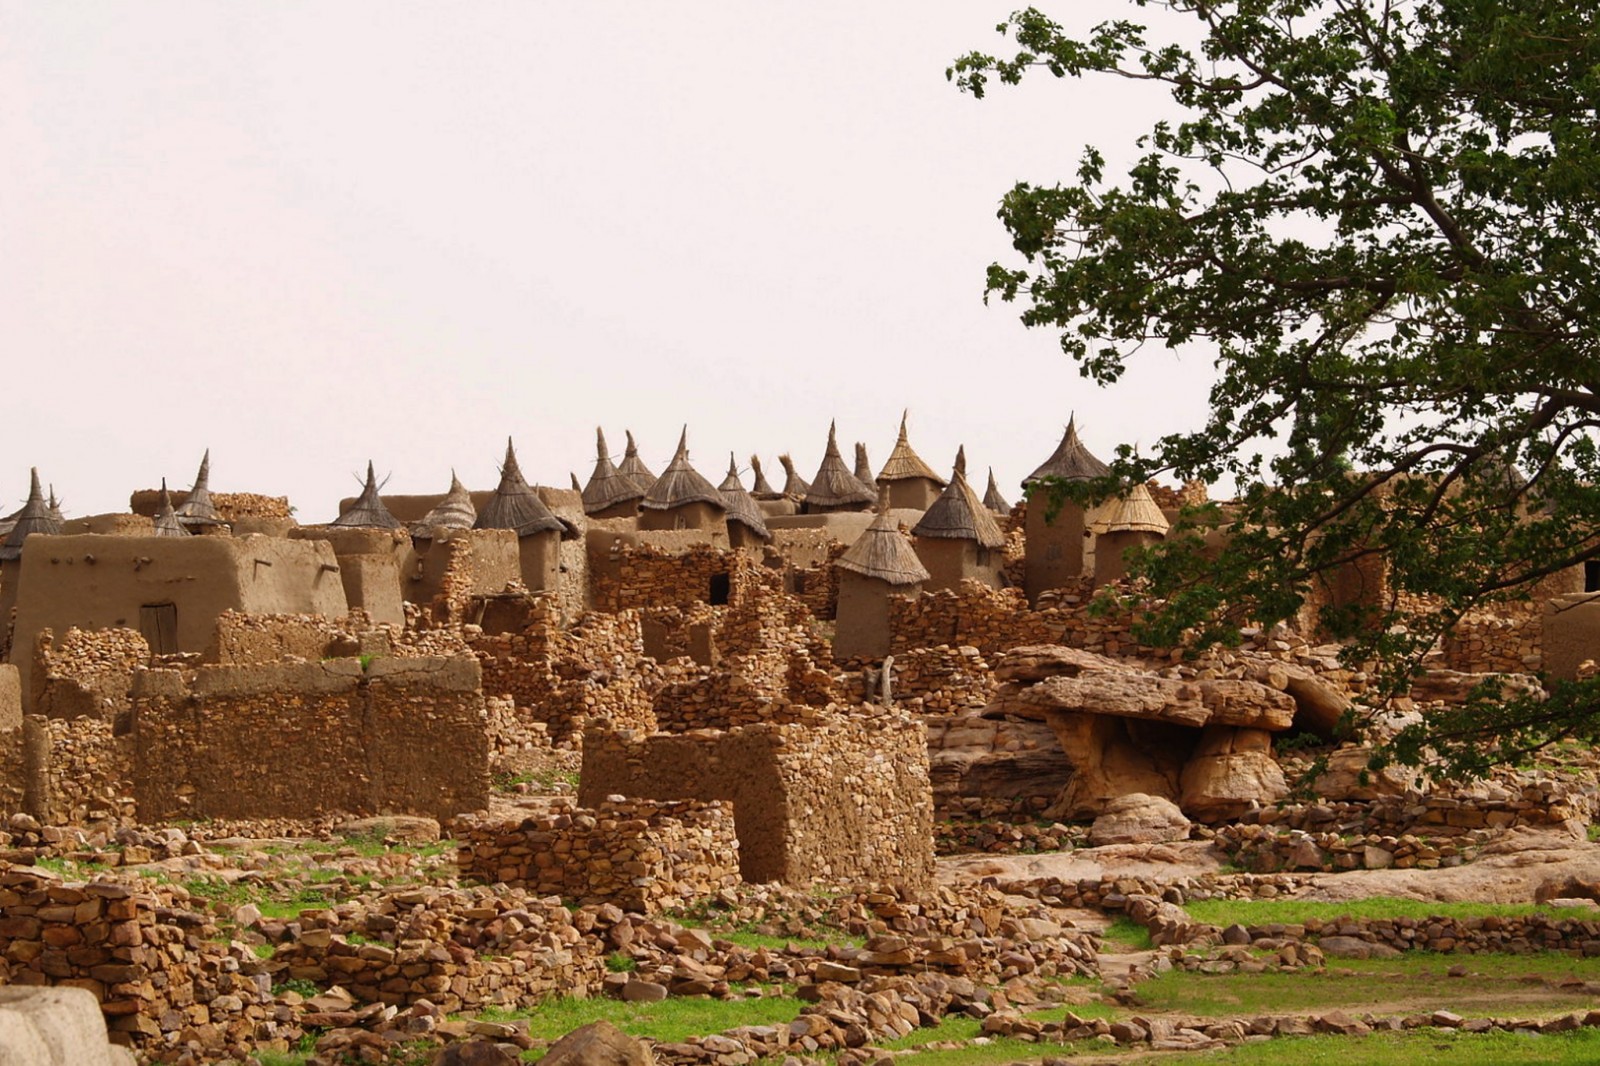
[
  {"x": 55, "y": 1026},
  {"x": 1108, "y": 762},
  {"x": 1231, "y": 771},
  {"x": 598, "y": 1044},
  {"x": 1348, "y": 778},
  {"x": 1139, "y": 819}
]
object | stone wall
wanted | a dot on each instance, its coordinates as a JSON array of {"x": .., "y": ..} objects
[
  {"x": 161, "y": 979},
  {"x": 840, "y": 798},
  {"x": 299, "y": 740},
  {"x": 462, "y": 950},
  {"x": 77, "y": 771},
  {"x": 641, "y": 575},
  {"x": 639, "y": 855},
  {"x": 996, "y": 620},
  {"x": 88, "y": 672},
  {"x": 558, "y": 678},
  {"x": 263, "y": 638},
  {"x": 942, "y": 680}
]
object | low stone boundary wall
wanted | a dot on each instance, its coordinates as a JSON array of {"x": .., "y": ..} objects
[
  {"x": 640, "y": 855},
  {"x": 160, "y": 979}
]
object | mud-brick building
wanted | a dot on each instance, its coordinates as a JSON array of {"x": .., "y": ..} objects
[
  {"x": 1057, "y": 535},
  {"x": 171, "y": 589}
]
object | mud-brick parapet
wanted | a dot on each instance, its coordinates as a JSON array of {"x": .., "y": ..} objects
[
  {"x": 299, "y": 740},
  {"x": 840, "y": 798}
]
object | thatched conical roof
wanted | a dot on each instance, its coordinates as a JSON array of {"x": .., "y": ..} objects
[
  {"x": 762, "y": 490},
  {"x": 33, "y": 518},
  {"x": 1071, "y": 461},
  {"x": 53, "y": 506},
  {"x": 883, "y": 552},
  {"x": 609, "y": 486},
  {"x": 1133, "y": 512},
  {"x": 166, "y": 520},
  {"x": 904, "y": 463},
  {"x": 958, "y": 514},
  {"x": 368, "y": 510},
  {"x": 633, "y": 467},
  {"x": 863, "y": 470},
  {"x": 577, "y": 486},
  {"x": 515, "y": 505},
  {"x": 835, "y": 485},
  {"x": 793, "y": 484},
  {"x": 198, "y": 510},
  {"x": 681, "y": 484},
  {"x": 740, "y": 504},
  {"x": 455, "y": 511},
  {"x": 992, "y": 498}
]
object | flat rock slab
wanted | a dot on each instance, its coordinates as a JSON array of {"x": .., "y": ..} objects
[{"x": 55, "y": 1026}]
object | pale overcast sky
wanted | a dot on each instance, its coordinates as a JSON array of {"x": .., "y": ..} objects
[{"x": 309, "y": 234}]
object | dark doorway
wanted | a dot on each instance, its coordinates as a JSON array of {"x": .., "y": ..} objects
[
  {"x": 720, "y": 586},
  {"x": 158, "y": 622},
  {"x": 1591, "y": 575}
]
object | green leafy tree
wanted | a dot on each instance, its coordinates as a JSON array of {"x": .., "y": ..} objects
[{"x": 1384, "y": 220}]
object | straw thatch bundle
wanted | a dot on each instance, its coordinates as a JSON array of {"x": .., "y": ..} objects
[
  {"x": 794, "y": 486},
  {"x": 958, "y": 514},
  {"x": 883, "y": 552},
  {"x": 740, "y": 504},
  {"x": 515, "y": 505},
  {"x": 763, "y": 489},
  {"x": 198, "y": 510},
  {"x": 609, "y": 486},
  {"x": 633, "y": 467},
  {"x": 455, "y": 511},
  {"x": 992, "y": 498},
  {"x": 835, "y": 485},
  {"x": 1133, "y": 512},
  {"x": 53, "y": 506},
  {"x": 1071, "y": 461},
  {"x": 863, "y": 470},
  {"x": 681, "y": 484},
  {"x": 904, "y": 463},
  {"x": 34, "y": 517},
  {"x": 166, "y": 520},
  {"x": 368, "y": 510}
]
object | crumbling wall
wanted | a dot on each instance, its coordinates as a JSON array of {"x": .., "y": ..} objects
[
  {"x": 88, "y": 673},
  {"x": 264, "y": 638},
  {"x": 295, "y": 740},
  {"x": 633, "y": 575},
  {"x": 560, "y": 677},
  {"x": 637, "y": 854},
  {"x": 838, "y": 798},
  {"x": 942, "y": 680},
  {"x": 77, "y": 771}
]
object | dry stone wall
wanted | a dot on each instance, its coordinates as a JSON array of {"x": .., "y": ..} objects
[
  {"x": 942, "y": 680},
  {"x": 297, "y": 740},
  {"x": 836, "y": 798},
  {"x": 161, "y": 979},
  {"x": 77, "y": 771},
  {"x": 637, "y": 854},
  {"x": 642, "y": 575},
  {"x": 89, "y": 672}
]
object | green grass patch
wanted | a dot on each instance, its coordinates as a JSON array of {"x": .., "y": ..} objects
[
  {"x": 1225, "y": 912},
  {"x": 1495, "y": 985},
  {"x": 671, "y": 1020},
  {"x": 1578, "y": 1048},
  {"x": 1125, "y": 934}
]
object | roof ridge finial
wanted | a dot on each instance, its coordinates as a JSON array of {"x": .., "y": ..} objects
[
  {"x": 961, "y": 461},
  {"x": 683, "y": 444},
  {"x": 903, "y": 416},
  {"x": 601, "y": 451},
  {"x": 633, "y": 449}
]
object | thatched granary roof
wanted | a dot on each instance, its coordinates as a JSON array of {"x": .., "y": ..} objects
[
  {"x": 53, "y": 505},
  {"x": 740, "y": 504},
  {"x": 455, "y": 511},
  {"x": 166, "y": 519},
  {"x": 609, "y": 486},
  {"x": 883, "y": 552},
  {"x": 368, "y": 510},
  {"x": 793, "y": 484},
  {"x": 515, "y": 505},
  {"x": 992, "y": 498},
  {"x": 1133, "y": 512},
  {"x": 763, "y": 490},
  {"x": 633, "y": 467},
  {"x": 904, "y": 463},
  {"x": 834, "y": 484},
  {"x": 681, "y": 484},
  {"x": 863, "y": 470},
  {"x": 958, "y": 514},
  {"x": 1071, "y": 461},
  {"x": 33, "y": 518},
  {"x": 198, "y": 510}
]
